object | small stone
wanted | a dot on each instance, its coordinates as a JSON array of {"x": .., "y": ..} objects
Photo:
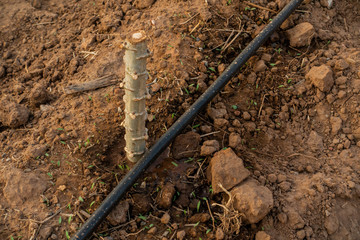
[
  {"x": 181, "y": 235},
  {"x": 282, "y": 218},
  {"x": 301, "y": 234},
  {"x": 341, "y": 94},
  {"x": 321, "y": 77},
  {"x": 266, "y": 57},
  {"x": 281, "y": 178},
  {"x": 236, "y": 123},
  {"x": 260, "y": 66},
  {"x": 351, "y": 184},
  {"x": 308, "y": 231},
  {"x": 262, "y": 235},
  {"x": 209, "y": 147},
  {"x": 205, "y": 129},
  {"x": 309, "y": 169},
  {"x": 253, "y": 200},
  {"x": 227, "y": 169},
  {"x": 13, "y": 114},
  {"x": 341, "y": 65},
  {"x": 234, "y": 140},
  {"x": 272, "y": 178},
  {"x": 45, "y": 232},
  {"x": 2, "y": 71},
  {"x": 54, "y": 236},
  {"x": 341, "y": 80},
  {"x": 216, "y": 113},
  {"x": 347, "y": 144},
  {"x": 38, "y": 95},
  {"x": 119, "y": 214},
  {"x": 220, "y": 122},
  {"x": 221, "y": 68},
  {"x": 285, "y": 186},
  {"x": 144, "y": 4},
  {"x": 35, "y": 151},
  {"x": 246, "y": 116},
  {"x": 87, "y": 43},
  {"x": 336, "y": 124},
  {"x": 166, "y": 195},
  {"x": 331, "y": 224},
  {"x": 155, "y": 87},
  {"x": 199, "y": 217},
  {"x": 219, "y": 235},
  {"x": 36, "y": 3},
  {"x": 301, "y": 35},
  {"x": 165, "y": 219},
  {"x": 315, "y": 142},
  {"x": 295, "y": 220}
]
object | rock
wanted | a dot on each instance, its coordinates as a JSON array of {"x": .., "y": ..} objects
[
  {"x": 234, "y": 140},
  {"x": 253, "y": 200},
  {"x": 216, "y": 113},
  {"x": 282, "y": 218},
  {"x": 285, "y": 186},
  {"x": 341, "y": 80},
  {"x": 341, "y": 65},
  {"x": 301, "y": 35},
  {"x": 199, "y": 217},
  {"x": 35, "y": 151},
  {"x": 301, "y": 234},
  {"x": 266, "y": 57},
  {"x": 219, "y": 235},
  {"x": 246, "y": 116},
  {"x": 250, "y": 126},
  {"x": 295, "y": 220},
  {"x": 260, "y": 66},
  {"x": 356, "y": 133},
  {"x": 23, "y": 189},
  {"x": 321, "y": 77},
  {"x": 315, "y": 142},
  {"x": 36, "y": 3},
  {"x": 281, "y": 178},
  {"x": 220, "y": 122},
  {"x": 141, "y": 4},
  {"x": 165, "y": 219},
  {"x": 152, "y": 230},
  {"x": 38, "y": 95},
  {"x": 2, "y": 71},
  {"x": 281, "y": 3},
  {"x": 185, "y": 145},
  {"x": 45, "y": 232},
  {"x": 155, "y": 87},
  {"x": 209, "y": 147},
  {"x": 341, "y": 94},
  {"x": 205, "y": 128},
  {"x": 119, "y": 214},
  {"x": 226, "y": 168},
  {"x": 221, "y": 68},
  {"x": 88, "y": 42},
  {"x": 166, "y": 195},
  {"x": 12, "y": 114},
  {"x": 181, "y": 235},
  {"x": 336, "y": 123},
  {"x": 331, "y": 224},
  {"x": 272, "y": 178},
  {"x": 262, "y": 235}
]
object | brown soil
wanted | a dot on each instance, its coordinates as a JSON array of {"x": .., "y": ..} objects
[{"x": 297, "y": 133}]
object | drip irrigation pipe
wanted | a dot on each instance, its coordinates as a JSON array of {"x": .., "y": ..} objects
[{"x": 114, "y": 197}]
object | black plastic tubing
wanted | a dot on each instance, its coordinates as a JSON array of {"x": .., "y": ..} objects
[{"x": 114, "y": 197}]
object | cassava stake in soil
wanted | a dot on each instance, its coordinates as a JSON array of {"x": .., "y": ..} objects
[{"x": 136, "y": 75}]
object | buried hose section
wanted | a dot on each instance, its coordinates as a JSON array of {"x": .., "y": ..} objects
[{"x": 129, "y": 179}]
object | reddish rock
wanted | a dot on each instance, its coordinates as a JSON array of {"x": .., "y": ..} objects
[
  {"x": 253, "y": 200},
  {"x": 341, "y": 64},
  {"x": 165, "y": 196},
  {"x": 199, "y": 217},
  {"x": 143, "y": 4},
  {"x": 226, "y": 168},
  {"x": 209, "y": 147},
  {"x": 216, "y": 113},
  {"x": 34, "y": 151},
  {"x": 301, "y": 35},
  {"x": 295, "y": 220},
  {"x": 336, "y": 123},
  {"x": 261, "y": 235},
  {"x": 12, "y": 114},
  {"x": 321, "y": 77},
  {"x": 234, "y": 140},
  {"x": 260, "y": 66}
]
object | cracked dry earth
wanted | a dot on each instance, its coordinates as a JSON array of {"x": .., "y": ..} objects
[{"x": 276, "y": 155}]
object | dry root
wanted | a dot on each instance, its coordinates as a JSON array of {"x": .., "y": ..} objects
[{"x": 230, "y": 218}]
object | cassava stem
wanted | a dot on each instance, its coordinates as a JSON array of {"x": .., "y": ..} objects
[{"x": 136, "y": 53}]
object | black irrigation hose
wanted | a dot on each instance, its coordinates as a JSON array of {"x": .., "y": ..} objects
[{"x": 114, "y": 197}]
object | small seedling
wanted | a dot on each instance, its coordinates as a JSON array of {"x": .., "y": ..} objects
[
  {"x": 67, "y": 235},
  {"x": 175, "y": 164},
  {"x": 60, "y": 220},
  {"x": 198, "y": 206},
  {"x": 69, "y": 219},
  {"x": 212, "y": 69},
  {"x": 81, "y": 199},
  {"x": 142, "y": 217}
]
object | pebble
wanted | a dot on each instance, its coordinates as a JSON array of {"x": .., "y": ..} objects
[
  {"x": 165, "y": 219},
  {"x": 209, "y": 147},
  {"x": 301, "y": 234},
  {"x": 261, "y": 235},
  {"x": 281, "y": 178},
  {"x": 282, "y": 218},
  {"x": 285, "y": 186},
  {"x": 246, "y": 116},
  {"x": 272, "y": 178},
  {"x": 219, "y": 235},
  {"x": 152, "y": 230},
  {"x": 181, "y": 235}
]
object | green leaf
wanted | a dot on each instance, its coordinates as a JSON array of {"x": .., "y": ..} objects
[
  {"x": 60, "y": 220},
  {"x": 61, "y": 129},
  {"x": 92, "y": 203},
  {"x": 81, "y": 199},
  {"x": 212, "y": 69},
  {"x": 175, "y": 164},
  {"x": 62, "y": 142},
  {"x": 67, "y": 235},
  {"x": 198, "y": 206},
  {"x": 234, "y": 107},
  {"x": 69, "y": 219},
  {"x": 142, "y": 217}
]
